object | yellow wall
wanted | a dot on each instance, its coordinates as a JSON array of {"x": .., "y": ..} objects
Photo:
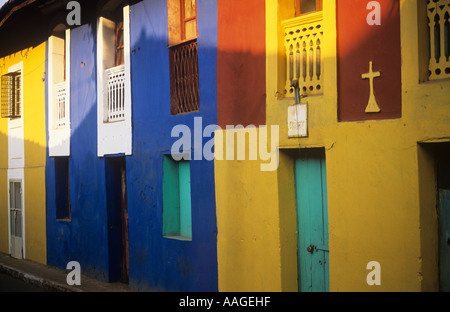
[
  {"x": 4, "y": 246},
  {"x": 34, "y": 137},
  {"x": 381, "y": 183},
  {"x": 34, "y": 132},
  {"x": 34, "y": 108},
  {"x": 249, "y": 226},
  {"x": 35, "y": 221}
]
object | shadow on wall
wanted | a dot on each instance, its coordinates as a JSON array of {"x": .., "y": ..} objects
[
  {"x": 23, "y": 37},
  {"x": 155, "y": 262},
  {"x": 232, "y": 94},
  {"x": 34, "y": 229}
]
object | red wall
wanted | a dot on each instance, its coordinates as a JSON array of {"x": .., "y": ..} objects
[
  {"x": 241, "y": 69},
  {"x": 358, "y": 43}
]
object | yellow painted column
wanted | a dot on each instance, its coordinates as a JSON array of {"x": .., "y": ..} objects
[{"x": 35, "y": 153}]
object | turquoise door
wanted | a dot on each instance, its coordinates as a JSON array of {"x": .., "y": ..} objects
[
  {"x": 444, "y": 240},
  {"x": 312, "y": 221}
]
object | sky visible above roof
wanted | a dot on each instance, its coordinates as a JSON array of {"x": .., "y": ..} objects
[{"x": 2, "y": 2}]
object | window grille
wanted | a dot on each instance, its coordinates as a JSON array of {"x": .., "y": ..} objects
[
  {"x": 184, "y": 77},
  {"x": 304, "y": 58},
  {"x": 61, "y": 104},
  {"x": 438, "y": 12},
  {"x": 11, "y": 95},
  {"x": 115, "y": 93}
]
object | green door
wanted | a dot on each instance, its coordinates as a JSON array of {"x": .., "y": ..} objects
[
  {"x": 312, "y": 221},
  {"x": 444, "y": 239}
]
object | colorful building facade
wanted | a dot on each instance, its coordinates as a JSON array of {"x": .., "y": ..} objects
[
  {"x": 230, "y": 145},
  {"x": 366, "y": 174},
  {"x": 23, "y": 145},
  {"x": 122, "y": 224}
]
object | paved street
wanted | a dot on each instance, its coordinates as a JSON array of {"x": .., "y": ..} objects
[
  {"x": 12, "y": 271},
  {"x": 11, "y": 284}
]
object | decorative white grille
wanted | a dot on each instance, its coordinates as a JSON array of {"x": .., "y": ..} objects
[
  {"x": 60, "y": 104},
  {"x": 115, "y": 82}
]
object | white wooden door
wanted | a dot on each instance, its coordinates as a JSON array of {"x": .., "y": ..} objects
[{"x": 16, "y": 219}]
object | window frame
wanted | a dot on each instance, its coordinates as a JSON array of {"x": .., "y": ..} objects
[
  {"x": 184, "y": 20},
  {"x": 183, "y": 60},
  {"x": 119, "y": 48},
  {"x": 177, "y": 214},
  {"x": 11, "y": 108},
  {"x": 298, "y": 7},
  {"x": 114, "y": 132},
  {"x": 58, "y": 88}
]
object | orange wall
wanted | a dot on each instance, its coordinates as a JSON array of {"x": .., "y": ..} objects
[
  {"x": 241, "y": 61},
  {"x": 359, "y": 43}
]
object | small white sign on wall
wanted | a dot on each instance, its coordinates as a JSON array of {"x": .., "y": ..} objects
[{"x": 298, "y": 121}]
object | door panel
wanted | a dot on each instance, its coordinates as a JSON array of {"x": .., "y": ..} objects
[
  {"x": 15, "y": 211},
  {"x": 312, "y": 221},
  {"x": 444, "y": 239},
  {"x": 118, "y": 235}
]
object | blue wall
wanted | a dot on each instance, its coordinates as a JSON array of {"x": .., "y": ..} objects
[
  {"x": 84, "y": 239},
  {"x": 156, "y": 263}
]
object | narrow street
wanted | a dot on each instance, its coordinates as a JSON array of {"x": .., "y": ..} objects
[{"x": 11, "y": 284}]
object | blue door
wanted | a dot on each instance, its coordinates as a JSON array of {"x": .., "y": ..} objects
[
  {"x": 312, "y": 221},
  {"x": 444, "y": 239}
]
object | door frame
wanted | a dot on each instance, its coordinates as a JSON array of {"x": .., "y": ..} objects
[
  {"x": 323, "y": 247},
  {"x": 432, "y": 167},
  {"x": 115, "y": 173},
  {"x": 444, "y": 270},
  {"x": 16, "y": 175}
]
